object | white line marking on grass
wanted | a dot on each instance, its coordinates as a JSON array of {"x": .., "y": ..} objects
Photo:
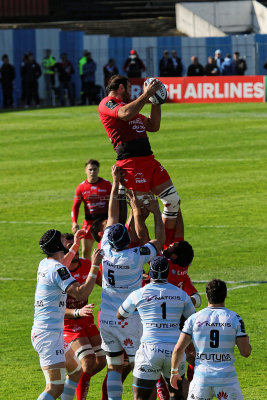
[
  {"x": 240, "y": 287},
  {"x": 17, "y": 279},
  {"x": 256, "y": 282}
]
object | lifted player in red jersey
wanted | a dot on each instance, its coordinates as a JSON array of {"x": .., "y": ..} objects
[
  {"x": 126, "y": 129},
  {"x": 79, "y": 327},
  {"x": 94, "y": 193}
]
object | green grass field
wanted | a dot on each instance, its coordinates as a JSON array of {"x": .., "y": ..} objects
[{"x": 216, "y": 155}]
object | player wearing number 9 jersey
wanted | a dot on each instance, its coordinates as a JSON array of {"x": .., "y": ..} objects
[{"x": 214, "y": 331}]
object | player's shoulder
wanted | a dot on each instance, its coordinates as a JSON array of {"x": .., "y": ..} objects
[
  {"x": 81, "y": 184},
  {"x": 104, "y": 182},
  {"x": 109, "y": 102},
  {"x": 84, "y": 262}
]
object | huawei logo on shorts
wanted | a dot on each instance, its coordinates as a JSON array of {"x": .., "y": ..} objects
[
  {"x": 222, "y": 395},
  {"x": 128, "y": 342},
  {"x": 123, "y": 324}
]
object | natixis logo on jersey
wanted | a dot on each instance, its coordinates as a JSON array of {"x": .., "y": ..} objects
[
  {"x": 222, "y": 395},
  {"x": 217, "y": 324},
  {"x": 139, "y": 178},
  {"x": 128, "y": 342}
]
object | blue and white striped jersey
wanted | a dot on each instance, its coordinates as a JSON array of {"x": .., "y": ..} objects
[
  {"x": 121, "y": 273},
  {"x": 160, "y": 306},
  {"x": 214, "y": 331},
  {"x": 53, "y": 279}
]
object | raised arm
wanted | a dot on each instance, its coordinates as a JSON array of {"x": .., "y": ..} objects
[
  {"x": 82, "y": 292},
  {"x": 113, "y": 207},
  {"x": 129, "y": 111}
]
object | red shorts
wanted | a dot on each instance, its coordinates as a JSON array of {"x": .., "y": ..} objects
[
  {"x": 143, "y": 173},
  {"x": 86, "y": 226},
  {"x": 78, "y": 328}
]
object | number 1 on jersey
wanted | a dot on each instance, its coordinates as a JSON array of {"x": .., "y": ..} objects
[{"x": 163, "y": 306}]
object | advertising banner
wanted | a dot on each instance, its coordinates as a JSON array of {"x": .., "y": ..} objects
[{"x": 206, "y": 89}]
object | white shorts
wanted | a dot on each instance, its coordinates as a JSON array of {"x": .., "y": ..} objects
[
  {"x": 50, "y": 346},
  {"x": 232, "y": 392},
  {"x": 120, "y": 335},
  {"x": 152, "y": 360}
]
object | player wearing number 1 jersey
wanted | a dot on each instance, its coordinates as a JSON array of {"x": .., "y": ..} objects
[
  {"x": 122, "y": 269},
  {"x": 160, "y": 305},
  {"x": 214, "y": 331}
]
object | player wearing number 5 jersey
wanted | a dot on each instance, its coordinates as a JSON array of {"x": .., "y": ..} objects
[
  {"x": 214, "y": 332},
  {"x": 122, "y": 269},
  {"x": 160, "y": 305}
]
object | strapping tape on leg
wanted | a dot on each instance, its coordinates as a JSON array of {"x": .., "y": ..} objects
[
  {"x": 55, "y": 376},
  {"x": 83, "y": 351},
  {"x": 171, "y": 202}
]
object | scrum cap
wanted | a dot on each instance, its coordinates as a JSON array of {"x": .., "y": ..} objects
[
  {"x": 159, "y": 268},
  {"x": 118, "y": 237},
  {"x": 51, "y": 242}
]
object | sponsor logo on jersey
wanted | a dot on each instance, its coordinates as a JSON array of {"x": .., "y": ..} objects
[
  {"x": 34, "y": 336},
  {"x": 61, "y": 303},
  {"x": 161, "y": 325},
  {"x": 219, "y": 324},
  {"x": 122, "y": 324},
  {"x": 76, "y": 276},
  {"x": 63, "y": 273},
  {"x": 111, "y": 104},
  {"x": 222, "y": 395},
  {"x": 195, "y": 397},
  {"x": 163, "y": 298},
  {"x": 128, "y": 342},
  {"x": 139, "y": 178},
  {"x": 144, "y": 251},
  {"x": 143, "y": 369},
  {"x": 39, "y": 303},
  {"x": 174, "y": 272},
  {"x": 59, "y": 352},
  {"x": 161, "y": 351},
  {"x": 116, "y": 266},
  {"x": 76, "y": 329},
  {"x": 216, "y": 357}
]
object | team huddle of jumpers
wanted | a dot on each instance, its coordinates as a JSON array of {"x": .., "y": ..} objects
[{"x": 148, "y": 321}]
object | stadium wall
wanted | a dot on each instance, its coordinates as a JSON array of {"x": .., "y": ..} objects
[{"x": 17, "y": 42}]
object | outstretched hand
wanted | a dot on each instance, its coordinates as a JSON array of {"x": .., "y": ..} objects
[
  {"x": 87, "y": 310},
  {"x": 97, "y": 257}
]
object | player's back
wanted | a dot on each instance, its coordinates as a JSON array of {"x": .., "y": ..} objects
[
  {"x": 214, "y": 331},
  {"x": 160, "y": 306}
]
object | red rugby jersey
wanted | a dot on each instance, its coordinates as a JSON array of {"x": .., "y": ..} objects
[
  {"x": 178, "y": 276},
  {"x": 95, "y": 197},
  {"x": 121, "y": 132}
]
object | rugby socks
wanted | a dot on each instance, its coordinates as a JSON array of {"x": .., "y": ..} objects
[
  {"x": 45, "y": 396},
  {"x": 83, "y": 386},
  {"x": 162, "y": 389},
  {"x": 69, "y": 390},
  {"x": 114, "y": 385}
]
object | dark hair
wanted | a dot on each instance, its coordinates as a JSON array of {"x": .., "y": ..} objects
[
  {"x": 93, "y": 162},
  {"x": 237, "y": 53},
  {"x": 68, "y": 236},
  {"x": 115, "y": 81},
  {"x": 184, "y": 252},
  {"x": 51, "y": 242},
  {"x": 216, "y": 291},
  {"x": 96, "y": 227}
]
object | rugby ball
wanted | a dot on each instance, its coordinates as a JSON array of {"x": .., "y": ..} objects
[{"x": 160, "y": 96}]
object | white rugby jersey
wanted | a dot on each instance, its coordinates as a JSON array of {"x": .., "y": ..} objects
[
  {"x": 214, "y": 331},
  {"x": 121, "y": 273},
  {"x": 160, "y": 306},
  {"x": 53, "y": 279}
]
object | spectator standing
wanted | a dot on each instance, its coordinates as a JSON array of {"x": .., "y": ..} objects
[
  {"x": 31, "y": 72},
  {"x": 109, "y": 70},
  {"x": 218, "y": 59},
  {"x": 88, "y": 78},
  {"x": 133, "y": 65},
  {"x": 195, "y": 69},
  {"x": 22, "y": 76},
  {"x": 228, "y": 68},
  {"x": 7, "y": 73},
  {"x": 49, "y": 75},
  {"x": 240, "y": 64},
  {"x": 176, "y": 64},
  {"x": 211, "y": 68},
  {"x": 65, "y": 70},
  {"x": 81, "y": 63},
  {"x": 165, "y": 65},
  {"x": 214, "y": 331}
]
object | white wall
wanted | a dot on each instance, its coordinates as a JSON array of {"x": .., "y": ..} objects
[
  {"x": 260, "y": 23},
  {"x": 193, "y": 25}
]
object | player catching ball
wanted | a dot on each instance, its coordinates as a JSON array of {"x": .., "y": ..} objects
[{"x": 127, "y": 131}]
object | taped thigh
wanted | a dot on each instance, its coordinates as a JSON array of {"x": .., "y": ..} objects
[
  {"x": 55, "y": 376},
  {"x": 99, "y": 352},
  {"x": 171, "y": 202},
  {"x": 72, "y": 363},
  {"x": 83, "y": 351}
]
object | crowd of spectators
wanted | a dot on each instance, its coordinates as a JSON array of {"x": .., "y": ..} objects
[{"x": 59, "y": 85}]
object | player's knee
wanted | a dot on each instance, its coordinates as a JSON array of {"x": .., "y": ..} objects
[
  {"x": 171, "y": 202},
  {"x": 55, "y": 390},
  {"x": 88, "y": 364},
  {"x": 55, "y": 379}
]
